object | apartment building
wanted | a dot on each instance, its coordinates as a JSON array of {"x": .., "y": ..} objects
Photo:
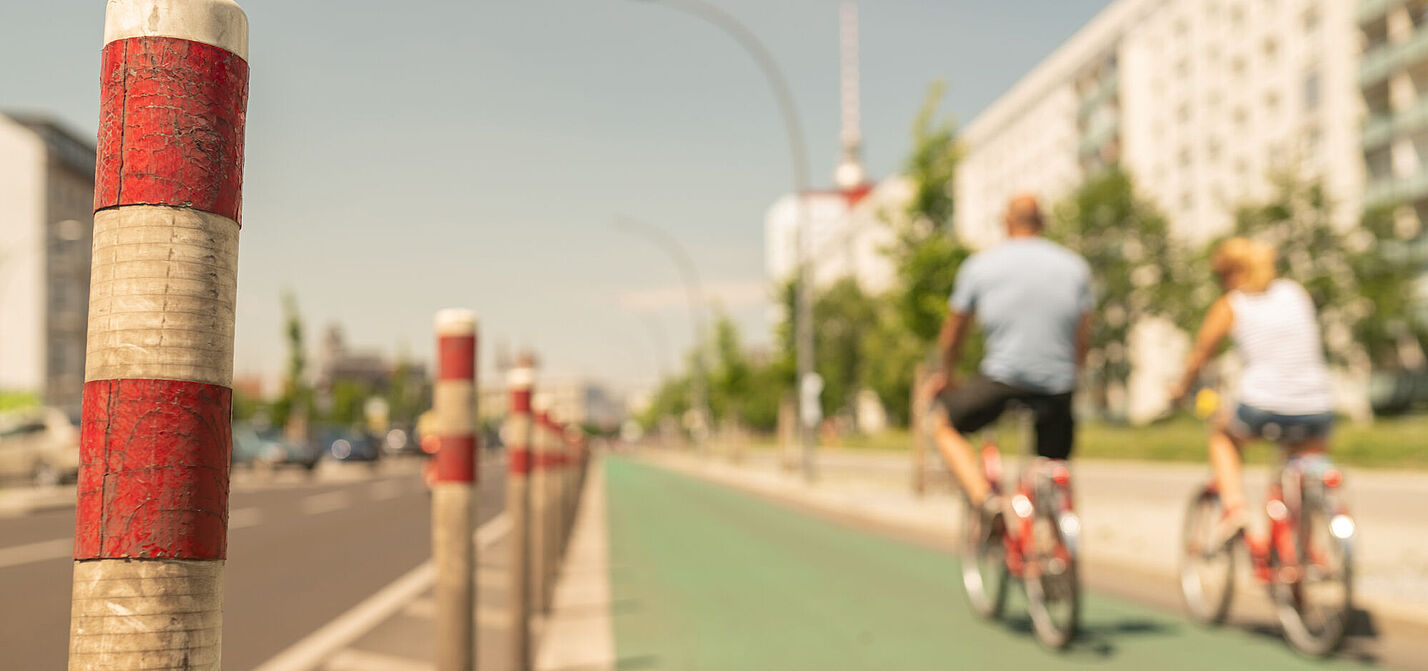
[
  {"x": 46, "y": 232},
  {"x": 1202, "y": 101}
]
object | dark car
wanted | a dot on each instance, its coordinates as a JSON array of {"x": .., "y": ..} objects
[
  {"x": 349, "y": 445},
  {"x": 268, "y": 448}
]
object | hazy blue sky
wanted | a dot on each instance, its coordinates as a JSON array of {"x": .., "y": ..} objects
[{"x": 409, "y": 156}]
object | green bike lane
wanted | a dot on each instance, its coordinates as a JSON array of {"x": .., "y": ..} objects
[{"x": 705, "y": 578}]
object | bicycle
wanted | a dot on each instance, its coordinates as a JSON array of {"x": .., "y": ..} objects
[
  {"x": 1039, "y": 548},
  {"x": 1308, "y": 549}
]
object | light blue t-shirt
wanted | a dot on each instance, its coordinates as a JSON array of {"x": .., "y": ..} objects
[{"x": 1029, "y": 294}]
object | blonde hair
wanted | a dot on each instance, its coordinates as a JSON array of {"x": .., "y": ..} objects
[{"x": 1250, "y": 262}]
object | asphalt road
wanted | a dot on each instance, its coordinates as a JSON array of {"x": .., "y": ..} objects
[
  {"x": 300, "y": 554},
  {"x": 707, "y": 577}
]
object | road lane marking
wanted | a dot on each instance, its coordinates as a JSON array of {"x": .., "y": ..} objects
[
  {"x": 33, "y": 552},
  {"x": 318, "y": 504},
  {"x": 309, "y": 653},
  {"x": 243, "y": 518},
  {"x": 363, "y": 660}
]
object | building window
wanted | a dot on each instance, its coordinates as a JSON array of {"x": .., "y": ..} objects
[
  {"x": 1311, "y": 19},
  {"x": 1271, "y": 49}
]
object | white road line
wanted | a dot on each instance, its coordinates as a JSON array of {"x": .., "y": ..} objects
[
  {"x": 307, "y": 654},
  {"x": 33, "y": 552},
  {"x": 325, "y": 503},
  {"x": 362, "y": 660},
  {"x": 243, "y": 518},
  {"x": 386, "y": 489}
]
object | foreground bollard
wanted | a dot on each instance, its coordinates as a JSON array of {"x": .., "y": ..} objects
[
  {"x": 452, "y": 507},
  {"x": 518, "y": 431},
  {"x": 151, "y": 524}
]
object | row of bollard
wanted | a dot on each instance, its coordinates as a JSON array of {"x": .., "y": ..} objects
[
  {"x": 156, "y": 431},
  {"x": 546, "y": 470}
]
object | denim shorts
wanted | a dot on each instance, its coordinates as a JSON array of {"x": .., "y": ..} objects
[{"x": 1251, "y": 422}]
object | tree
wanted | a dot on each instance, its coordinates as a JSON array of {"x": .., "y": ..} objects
[
  {"x": 296, "y": 398},
  {"x": 925, "y": 252},
  {"x": 1139, "y": 270}
]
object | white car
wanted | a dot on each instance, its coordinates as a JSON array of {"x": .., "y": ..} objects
[{"x": 40, "y": 445}]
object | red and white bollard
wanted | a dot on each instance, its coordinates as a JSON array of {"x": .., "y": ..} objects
[
  {"x": 151, "y": 524},
  {"x": 518, "y": 433},
  {"x": 452, "y": 503}
]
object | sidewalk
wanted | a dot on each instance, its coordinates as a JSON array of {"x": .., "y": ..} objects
[
  {"x": 392, "y": 630},
  {"x": 1131, "y": 511}
]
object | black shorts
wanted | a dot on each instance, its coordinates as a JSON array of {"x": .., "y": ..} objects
[{"x": 980, "y": 401}]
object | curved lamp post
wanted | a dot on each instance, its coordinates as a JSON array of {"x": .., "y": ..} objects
[{"x": 803, "y": 308}]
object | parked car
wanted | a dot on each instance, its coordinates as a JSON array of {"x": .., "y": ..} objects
[
  {"x": 269, "y": 448},
  {"x": 400, "y": 441},
  {"x": 349, "y": 445},
  {"x": 40, "y": 445}
]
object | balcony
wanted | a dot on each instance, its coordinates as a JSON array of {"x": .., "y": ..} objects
[
  {"x": 1380, "y": 129},
  {"x": 1371, "y": 10},
  {"x": 1098, "y": 135},
  {"x": 1104, "y": 92},
  {"x": 1380, "y": 63},
  {"x": 1394, "y": 191}
]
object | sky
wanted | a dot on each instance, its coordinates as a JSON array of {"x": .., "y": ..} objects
[{"x": 407, "y": 157}]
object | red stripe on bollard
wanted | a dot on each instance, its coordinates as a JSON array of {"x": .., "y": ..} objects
[
  {"x": 151, "y": 86},
  {"x": 521, "y": 401},
  {"x": 154, "y": 476},
  {"x": 457, "y": 358},
  {"x": 520, "y": 461},
  {"x": 455, "y": 460}
]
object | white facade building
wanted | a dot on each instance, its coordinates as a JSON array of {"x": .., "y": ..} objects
[
  {"x": 847, "y": 233},
  {"x": 46, "y": 228},
  {"x": 1203, "y": 102},
  {"x": 1200, "y": 100}
]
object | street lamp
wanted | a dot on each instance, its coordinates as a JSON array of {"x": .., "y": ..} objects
[
  {"x": 808, "y": 385},
  {"x": 694, "y": 289}
]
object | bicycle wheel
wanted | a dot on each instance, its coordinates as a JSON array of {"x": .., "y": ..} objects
[
  {"x": 1207, "y": 569},
  {"x": 1053, "y": 589},
  {"x": 1315, "y": 601},
  {"x": 984, "y": 565}
]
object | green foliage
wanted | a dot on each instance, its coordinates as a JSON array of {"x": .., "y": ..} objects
[
  {"x": 349, "y": 398},
  {"x": 925, "y": 253},
  {"x": 18, "y": 400},
  {"x": 297, "y": 396},
  {"x": 1139, "y": 270},
  {"x": 671, "y": 399}
]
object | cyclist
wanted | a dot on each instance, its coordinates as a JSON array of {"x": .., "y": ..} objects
[
  {"x": 1033, "y": 299},
  {"x": 1284, "y": 392}
]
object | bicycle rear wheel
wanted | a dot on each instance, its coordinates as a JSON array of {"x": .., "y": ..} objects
[
  {"x": 1315, "y": 603},
  {"x": 1207, "y": 568},
  {"x": 984, "y": 565},
  {"x": 1053, "y": 588}
]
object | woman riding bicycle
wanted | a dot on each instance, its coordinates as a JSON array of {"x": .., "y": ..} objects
[{"x": 1284, "y": 392}]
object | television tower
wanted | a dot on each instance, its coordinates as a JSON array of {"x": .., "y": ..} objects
[{"x": 850, "y": 173}]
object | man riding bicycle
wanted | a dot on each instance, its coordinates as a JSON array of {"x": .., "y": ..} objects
[{"x": 1033, "y": 299}]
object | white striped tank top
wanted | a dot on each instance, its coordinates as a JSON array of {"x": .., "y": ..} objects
[{"x": 1278, "y": 337}]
